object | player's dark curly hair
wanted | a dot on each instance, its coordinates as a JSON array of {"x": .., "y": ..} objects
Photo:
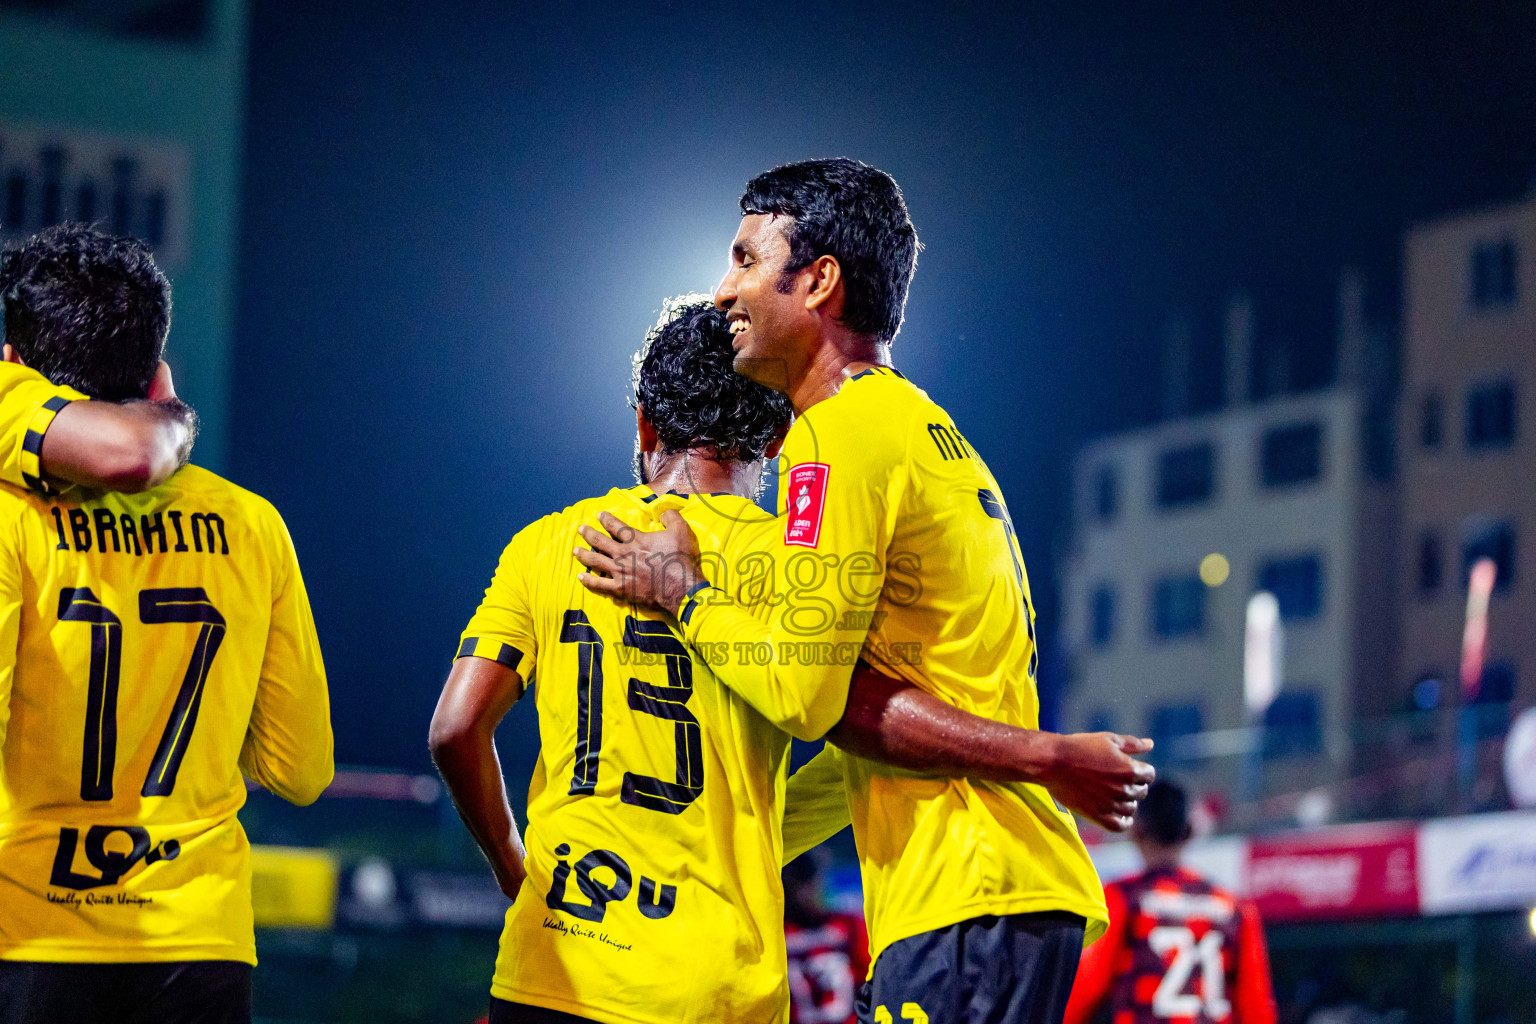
[
  {"x": 1163, "y": 815},
  {"x": 693, "y": 398},
  {"x": 86, "y": 310},
  {"x": 854, "y": 212}
]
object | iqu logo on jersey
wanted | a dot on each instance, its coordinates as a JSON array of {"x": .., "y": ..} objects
[
  {"x": 654, "y": 899},
  {"x": 108, "y": 858}
]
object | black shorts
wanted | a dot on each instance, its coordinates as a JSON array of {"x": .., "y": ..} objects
[
  {"x": 988, "y": 970},
  {"x": 503, "y": 1012},
  {"x": 189, "y": 992}
]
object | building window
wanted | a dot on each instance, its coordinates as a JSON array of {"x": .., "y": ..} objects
[
  {"x": 1482, "y": 539},
  {"x": 1292, "y": 454},
  {"x": 1429, "y": 562},
  {"x": 1297, "y": 584},
  {"x": 1185, "y": 476},
  {"x": 1178, "y": 607},
  {"x": 1495, "y": 268},
  {"x": 1431, "y": 421},
  {"x": 1498, "y": 685},
  {"x": 1491, "y": 705},
  {"x": 181, "y": 21},
  {"x": 1491, "y": 415},
  {"x": 1106, "y": 494},
  {"x": 1292, "y": 724},
  {"x": 1102, "y": 616},
  {"x": 1171, "y": 722}
]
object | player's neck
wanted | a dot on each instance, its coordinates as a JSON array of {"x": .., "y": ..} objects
[
  {"x": 691, "y": 473},
  {"x": 1161, "y": 858},
  {"x": 837, "y": 357}
]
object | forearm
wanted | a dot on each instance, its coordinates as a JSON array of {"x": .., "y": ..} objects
[
  {"x": 299, "y": 775},
  {"x": 893, "y": 722},
  {"x": 815, "y": 804},
  {"x": 803, "y": 695},
  {"x": 129, "y": 447},
  {"x": 472, "y": 771},
  {"x": 478, "y": 693}
]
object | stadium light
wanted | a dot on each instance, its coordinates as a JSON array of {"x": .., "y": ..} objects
[
  {"x": 1474, "y": 637},
  {"x": 1532, "y": 921},
  {"x": 1474, "y": 646},
  {"x": 1262, "y": 650}
]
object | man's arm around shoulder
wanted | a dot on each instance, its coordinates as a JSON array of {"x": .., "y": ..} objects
[
  {"x": 890, "y": 720},
  {"x": 129, "y": 447}
]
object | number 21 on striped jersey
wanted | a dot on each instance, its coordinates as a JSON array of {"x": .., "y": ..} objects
[{"x": 1170, "y": 999}]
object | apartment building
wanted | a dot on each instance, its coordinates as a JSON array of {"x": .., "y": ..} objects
[
  {"x": 1177, "y": 525},
  {"x": 1467, "y": 455}
]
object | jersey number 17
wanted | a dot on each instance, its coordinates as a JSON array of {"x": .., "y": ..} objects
[{"x": 156, "y": 606}]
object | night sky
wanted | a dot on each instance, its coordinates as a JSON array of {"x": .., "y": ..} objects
[{"x": 459, "y": 218}]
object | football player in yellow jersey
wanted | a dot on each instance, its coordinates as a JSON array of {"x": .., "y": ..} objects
[
  {"x": 153, "y": 648},
  {"x": 652, "y": 851},
  {"x": 653, "y": 854},
  {"x": 896, "y": 545}
]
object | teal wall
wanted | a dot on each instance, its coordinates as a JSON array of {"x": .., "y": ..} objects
[{"x": 190, "y": 95}]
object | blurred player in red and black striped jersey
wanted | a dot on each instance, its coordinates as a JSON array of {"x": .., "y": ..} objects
[
  {"x": 1179, "y": 949},
  {"x": 828, "y": 952}
]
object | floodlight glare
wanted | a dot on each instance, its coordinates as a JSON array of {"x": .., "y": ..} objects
[{"x": 1263, "y": 647}]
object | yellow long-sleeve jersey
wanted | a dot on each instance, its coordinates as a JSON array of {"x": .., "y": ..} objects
[
  {"x": 153, "y": 648},
  {"x": 28, "y": 404},
  {"x": 895, "y": 545},
  {"x": 653, "y": 890}
]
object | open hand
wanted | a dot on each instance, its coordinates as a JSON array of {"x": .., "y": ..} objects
[
  {"x": 1097, "y": 775},
  {"x": 646, "y": 567}
]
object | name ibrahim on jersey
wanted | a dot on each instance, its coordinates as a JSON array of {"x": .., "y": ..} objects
[{"x": 153, "y": 648}]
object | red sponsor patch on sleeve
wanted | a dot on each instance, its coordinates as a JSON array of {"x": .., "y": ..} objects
[{"x": 807, "y": 492}]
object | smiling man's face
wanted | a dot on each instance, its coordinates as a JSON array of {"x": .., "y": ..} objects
[{"x": 770, "y": 325}]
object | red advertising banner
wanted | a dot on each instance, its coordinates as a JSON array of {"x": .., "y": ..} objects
[{"x": 1349, "y": 871}]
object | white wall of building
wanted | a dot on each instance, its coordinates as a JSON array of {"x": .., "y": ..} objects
[{"x": 1244, "y": 520}]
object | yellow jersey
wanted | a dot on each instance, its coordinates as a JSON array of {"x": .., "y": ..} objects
[
  {"x": 152, "y": 648},
  {"x": 28, "y": 404},
  {"x": 895, "y": 545},
  {"x": 653, "y": 851}
]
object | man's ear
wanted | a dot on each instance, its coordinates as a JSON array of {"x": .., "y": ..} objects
[
  {"x": 647, "y": 432},
  {"x": 161, "y": 389},
  {"x": 826, "y": 279},
  {"x": 10, "y": 355}
]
